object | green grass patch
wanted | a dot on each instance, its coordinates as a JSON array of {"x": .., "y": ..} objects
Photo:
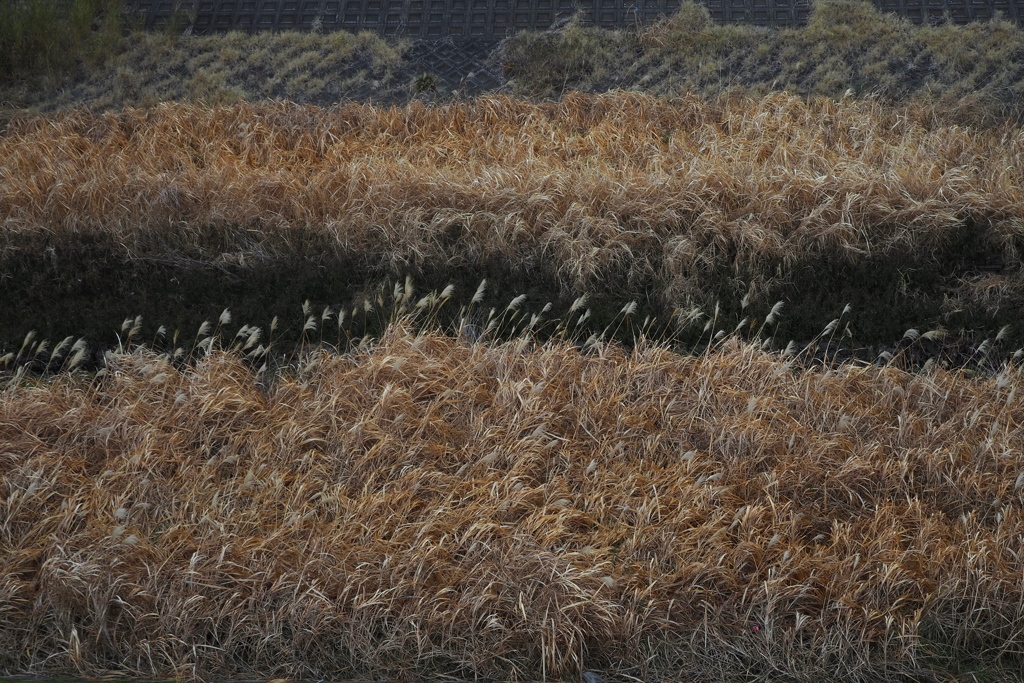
[{"x": 49, "y": 38}]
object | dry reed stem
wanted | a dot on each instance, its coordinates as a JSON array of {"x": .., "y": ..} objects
[
  {"x": 511, "y": 511},
  {"x": 613, "y": 184}
]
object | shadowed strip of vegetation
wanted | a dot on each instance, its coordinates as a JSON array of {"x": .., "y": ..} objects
[{"x": 87, "y": 288}]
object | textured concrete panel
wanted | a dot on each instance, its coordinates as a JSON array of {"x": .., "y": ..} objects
[{"x": 496, "y": 19}]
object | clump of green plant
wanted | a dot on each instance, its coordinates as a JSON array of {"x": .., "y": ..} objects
[
  {"x": 180, "y": 19},
  {"x": 50, "y": 37},
  {"x": 425, "y": 82}
]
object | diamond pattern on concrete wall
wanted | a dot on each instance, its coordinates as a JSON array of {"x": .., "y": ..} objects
[{"x": 498, "y": 18}]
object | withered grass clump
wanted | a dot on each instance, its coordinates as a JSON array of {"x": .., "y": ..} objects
[
  {"x": 513, "y": 511},
  {"x": 618, "y": 186}
]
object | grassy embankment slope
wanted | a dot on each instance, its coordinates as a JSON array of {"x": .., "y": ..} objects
[
  {"x": 848, "y": 47},
  {"x": 975, "y": 70},
  {"x": 426, "y": 504}
]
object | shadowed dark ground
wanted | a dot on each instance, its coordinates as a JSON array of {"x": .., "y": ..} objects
[{"x": 87, "y": 289}]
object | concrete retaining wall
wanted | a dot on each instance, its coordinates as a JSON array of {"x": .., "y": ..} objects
[{"x": 498, "y": 18}]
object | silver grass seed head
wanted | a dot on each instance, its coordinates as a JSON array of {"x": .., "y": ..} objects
[
  {"x": 254, "y": 336},
  {"x": 774, "y": 313},
  {"x": 63, "y": 345},
  {"x": 479, "y": 295}
]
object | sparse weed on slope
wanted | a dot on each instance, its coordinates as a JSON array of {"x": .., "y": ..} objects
[{"x": 847, "y": 46}]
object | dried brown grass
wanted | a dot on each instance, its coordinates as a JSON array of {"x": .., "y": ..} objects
[
  {"x": 619, "y": 185},
  {"x": 514, "y": 511}
]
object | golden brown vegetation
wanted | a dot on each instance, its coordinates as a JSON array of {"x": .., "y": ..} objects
[
  {"x": 513, "y": 511},
  {"x": 619, "y": 185}
]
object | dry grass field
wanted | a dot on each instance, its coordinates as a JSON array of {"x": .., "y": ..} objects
[
  {"x": 672, "y": 195},
  {"x": 405, "y": 493},
  {"x": 513, "y": 511},
  {"x": 589, "y": 180}
]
